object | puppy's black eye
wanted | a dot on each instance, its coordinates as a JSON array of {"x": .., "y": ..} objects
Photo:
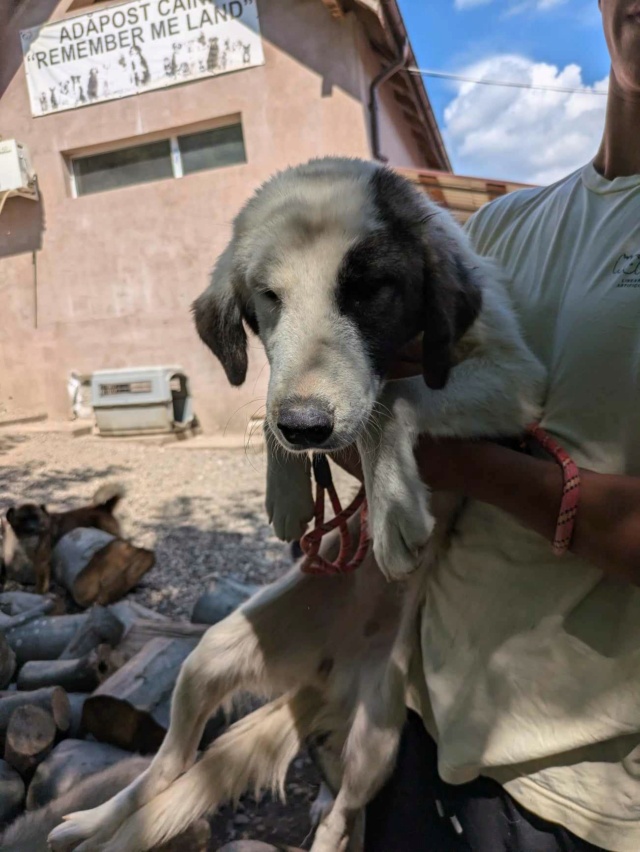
[{"x": 271, "y": 296}]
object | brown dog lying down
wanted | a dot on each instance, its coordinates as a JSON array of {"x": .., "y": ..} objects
[
  {"x": 38, "y": 531},
  {"x": 29, "y": 832}
]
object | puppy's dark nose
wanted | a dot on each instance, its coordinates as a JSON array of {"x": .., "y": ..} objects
[{"x": 305, "y": 424}]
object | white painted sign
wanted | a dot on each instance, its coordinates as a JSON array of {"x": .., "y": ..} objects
[{"x": 123, "y": 50}]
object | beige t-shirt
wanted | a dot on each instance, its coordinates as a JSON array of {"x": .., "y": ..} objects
[{"x": 532, "y": 662}]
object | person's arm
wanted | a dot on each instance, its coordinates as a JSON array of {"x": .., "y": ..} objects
[{"x": 607, "y": 530}]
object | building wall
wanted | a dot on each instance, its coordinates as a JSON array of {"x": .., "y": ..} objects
[{"x": 106, "y": 280}]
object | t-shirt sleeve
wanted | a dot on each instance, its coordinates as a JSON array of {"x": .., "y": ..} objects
[
  {"x": 488, "y": 224},
  {"x": 481, "y": 228}
]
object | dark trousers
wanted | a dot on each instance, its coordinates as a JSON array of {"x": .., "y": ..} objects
[{"x": 417, "y": 812}]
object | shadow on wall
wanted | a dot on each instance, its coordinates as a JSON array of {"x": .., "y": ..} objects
[{"x": 23, "y": 225}]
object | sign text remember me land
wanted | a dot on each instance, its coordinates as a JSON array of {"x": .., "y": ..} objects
[{"x": 135, "y": 47}]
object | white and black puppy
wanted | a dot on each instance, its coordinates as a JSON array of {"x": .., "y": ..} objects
[{"x": 335, "y": 264}]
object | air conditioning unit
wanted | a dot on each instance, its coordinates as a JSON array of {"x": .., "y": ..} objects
[{"x": 17, "y": 176}]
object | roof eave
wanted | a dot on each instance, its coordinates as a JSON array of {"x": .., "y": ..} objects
[{"x": 385, "y": 17}]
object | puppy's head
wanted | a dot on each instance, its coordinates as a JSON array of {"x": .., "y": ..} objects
[
  {"x": 29, "y": 520},
  {"x": 336, "y": 265}
]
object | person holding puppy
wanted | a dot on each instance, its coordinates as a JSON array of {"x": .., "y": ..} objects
[{"x": 528, "y": 676}]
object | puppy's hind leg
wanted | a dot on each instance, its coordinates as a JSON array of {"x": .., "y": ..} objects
[
  {"x": 255, "y": 752},
  {"x": 369, "y": 757},
  {"x": 327, "y": 753},
  {"x": 227, "y": 657}
]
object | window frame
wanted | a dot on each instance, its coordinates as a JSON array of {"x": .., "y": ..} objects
[{"x": 175, "y": 154}]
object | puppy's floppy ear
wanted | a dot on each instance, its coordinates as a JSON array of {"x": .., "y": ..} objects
[
  {"x": 10, "y": 514},
  {"x": 219, "y": 315},
  {"x": 452, "y": 301}
]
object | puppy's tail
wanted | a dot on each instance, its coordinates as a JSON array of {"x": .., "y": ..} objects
[
  {"x": 254, "y": 753},
  {"x": 108, "y": 496}
]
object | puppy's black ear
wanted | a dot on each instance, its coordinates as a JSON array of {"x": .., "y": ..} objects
[
  {"x": 219, "y": 315},
  {"x": 11, "y": 513},
  {"x": 452, "y": 301}
]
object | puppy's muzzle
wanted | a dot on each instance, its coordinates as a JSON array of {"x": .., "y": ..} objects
[{"x": 305, "y": 424}]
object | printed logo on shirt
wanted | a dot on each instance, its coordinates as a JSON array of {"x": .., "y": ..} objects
[{"x": 628, "y": 265}]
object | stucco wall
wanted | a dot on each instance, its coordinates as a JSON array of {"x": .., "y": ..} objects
[{"x": 115, "y": 272}]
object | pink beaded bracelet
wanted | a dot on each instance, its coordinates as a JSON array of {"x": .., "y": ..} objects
[{"x": 570, "y": 489}]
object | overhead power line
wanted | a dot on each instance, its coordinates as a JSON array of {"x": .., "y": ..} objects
[{"x": 426, "y": 72}]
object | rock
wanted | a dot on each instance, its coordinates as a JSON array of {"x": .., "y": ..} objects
[{"x": 221, "y": 600}]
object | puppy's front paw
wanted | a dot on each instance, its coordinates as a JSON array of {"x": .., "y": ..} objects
[
  {"x": 76, "y": 829},
  {"x": 401, "y": 526},
  {"x": 289, "y": 497},
  {"x": 289, "y": 522}
]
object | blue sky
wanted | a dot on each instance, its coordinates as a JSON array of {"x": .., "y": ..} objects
[{"x": 552, "y": 42}]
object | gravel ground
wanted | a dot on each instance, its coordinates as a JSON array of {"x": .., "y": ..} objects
[{"x": 202, "y": 512}]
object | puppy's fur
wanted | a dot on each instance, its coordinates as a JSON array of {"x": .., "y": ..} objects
[
  {"x": 38, "y": 530},
  {"x": 29, "y": 832},
  {"x": 335, "y": 264}
]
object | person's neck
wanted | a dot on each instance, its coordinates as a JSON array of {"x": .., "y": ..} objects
[{"x": 619, "y": 152}]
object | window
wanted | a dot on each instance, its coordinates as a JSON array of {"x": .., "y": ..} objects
[
  {"x": 173, "y": 157},
  {"x": 123, "y": 168},
  {"x": 211, "y": 149}
]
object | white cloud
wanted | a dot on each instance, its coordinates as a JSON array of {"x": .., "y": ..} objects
[{"x": 523, "y": 134}]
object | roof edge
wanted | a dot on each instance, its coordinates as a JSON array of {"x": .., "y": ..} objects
[{"x": 416, "y": 83}]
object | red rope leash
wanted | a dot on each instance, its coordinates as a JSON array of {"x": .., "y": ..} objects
[
  {"x": 570, "y": 489},
  {"x": 310, "y": 542},
  {"x": 315, "y": 564}
]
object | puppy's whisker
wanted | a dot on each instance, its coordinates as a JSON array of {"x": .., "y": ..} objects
[
  {"x": 255, "y": 384},
  {"x": 239, "y": 409},
  {"x": 279, "y": 452},
  {"x": 367, "y": 441},
  {"x": 379, "y": 406},
  {"x": 249, "y": 435}
]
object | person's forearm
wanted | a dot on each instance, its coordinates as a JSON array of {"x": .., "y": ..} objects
[{"x": 607, "y": 530}]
